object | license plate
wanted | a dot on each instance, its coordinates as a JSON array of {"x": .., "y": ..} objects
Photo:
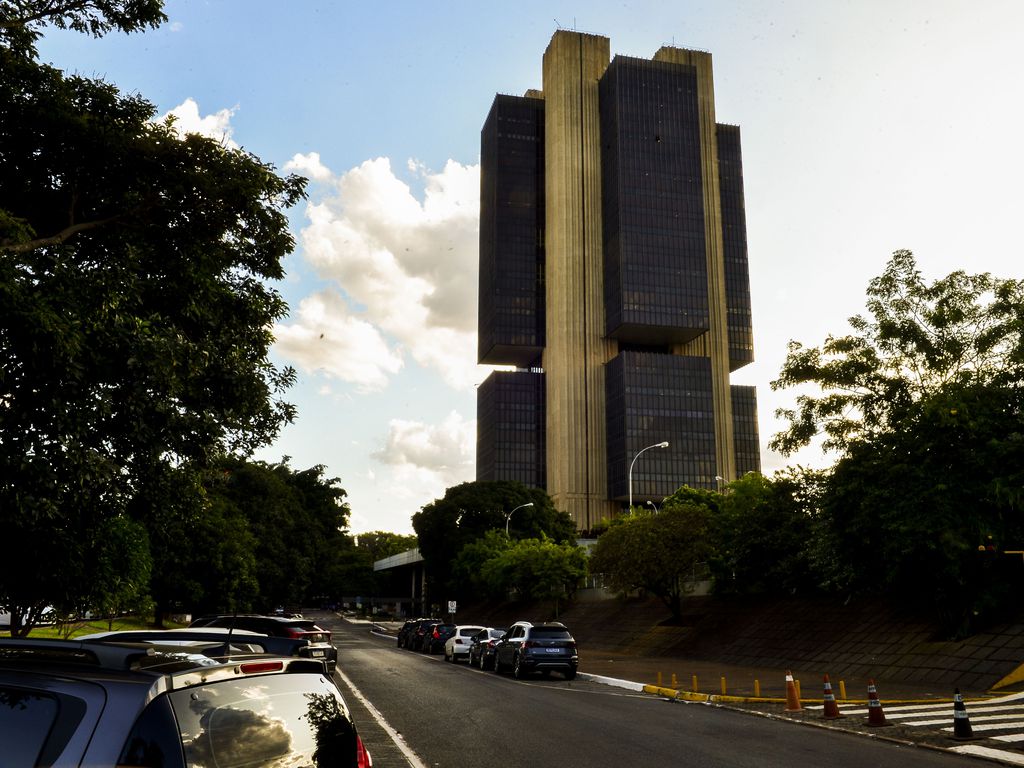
[
  {"x": 319, "y": 654},
  {"x": 553, "y": 650}
]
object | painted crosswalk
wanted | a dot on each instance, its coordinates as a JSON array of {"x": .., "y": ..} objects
[{"x": 997, "y": 724}]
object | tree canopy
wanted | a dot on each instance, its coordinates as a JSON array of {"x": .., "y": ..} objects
[
  {"x": 924, "y": 402},
  {"x": 918, "y": 340},
  {"x": 134, "y": 269},
  {"x": 658, "y": 553},
  {"x": 468, "y": 511}
]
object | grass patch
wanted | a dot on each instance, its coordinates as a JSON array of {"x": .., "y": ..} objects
[{"x": 88, "y": 627}]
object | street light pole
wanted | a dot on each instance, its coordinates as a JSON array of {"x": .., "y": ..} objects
[
  {"x": 509, "y": 515},
  {"x": 652, "y": 504},
  {"x": 656, "y": 445}
]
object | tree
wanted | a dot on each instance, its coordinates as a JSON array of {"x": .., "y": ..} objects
[
  {"x": 763, "y": 533},
  {"x": 297, "y": 521},
  {"x": 134, "y": 269},
  {"x": 904, "y": 514},
  {"x": 924, "y": 402},
  {"x": 465, "y": 514},
  {"x": 381, "y": 544},
  {"x": 920, "y": 339},
  {"x": 120, "y": 579},
  {"x": 536, "y": 569},
  {"x": 656, "y": 553},
  {"x": 21, "y": 20}
]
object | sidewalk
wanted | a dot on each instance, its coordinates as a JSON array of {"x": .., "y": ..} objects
[{"x": 740, "y": 680}]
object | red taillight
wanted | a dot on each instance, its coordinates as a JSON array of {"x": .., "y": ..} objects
[
  {"x": 437, "y": 635},
  {"x": 490, "y": 643},
  {"x": 363, "y": 759},
  {"x": 529, "y": 644},
  {"x": 458, "y": 641},
  {"x": 293, "y": 632},
  {"x": 255, "y": 667}
]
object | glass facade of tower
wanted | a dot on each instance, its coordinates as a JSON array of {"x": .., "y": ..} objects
[
  {"x": 744, "y": 421},
  {"x": 511, "y": 309},
  {"x": 655, "y": 280},
  {"x": 510, "y": 431},
  {"x": 652, "y": 397},
  {"x": 734, "y": 241}
]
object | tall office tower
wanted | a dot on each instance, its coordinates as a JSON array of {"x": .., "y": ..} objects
[{"x": 613, "y": 277}]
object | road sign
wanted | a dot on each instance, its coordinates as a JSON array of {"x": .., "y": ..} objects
[{"x": 451, "y": 606}]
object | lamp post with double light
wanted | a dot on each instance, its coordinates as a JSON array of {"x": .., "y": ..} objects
[{"x": 663, "y": 444}]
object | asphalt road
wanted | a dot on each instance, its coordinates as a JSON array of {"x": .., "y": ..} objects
[{"x": 417, "y": 710}]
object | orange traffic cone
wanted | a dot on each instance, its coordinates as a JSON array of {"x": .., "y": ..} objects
[
  {"x": 961, "y": 723},
  {"x": 876, "y": 717},
  {"x": 831, "y": 708},
  {"x": 792, "y": 700}
]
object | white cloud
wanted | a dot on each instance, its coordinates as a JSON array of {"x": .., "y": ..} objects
[
  {"x": 309, "y": 165},
  {"x": 327, "y": 338},
  {"x": 428, "y": 458},
  {"x": 216, "y": 126},
  {"x": 406, "y": 267}
]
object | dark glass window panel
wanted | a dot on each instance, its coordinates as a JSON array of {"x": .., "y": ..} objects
[{"x": 511, "y": 426}]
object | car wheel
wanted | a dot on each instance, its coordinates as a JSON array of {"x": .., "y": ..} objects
[
  {"x": 484, "y": 664},
  {"x": 570, "y": 674},
  {"x": 497, "y": 665},
  {"x": 517, "y": 669}
]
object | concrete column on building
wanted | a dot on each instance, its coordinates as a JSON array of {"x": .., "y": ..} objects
[{"x": 576, "y": 350}]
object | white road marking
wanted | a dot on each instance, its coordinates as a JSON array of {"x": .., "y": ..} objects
[
  {"x": 1013, "y": 758},
  {"x": 396, "y": 737}
]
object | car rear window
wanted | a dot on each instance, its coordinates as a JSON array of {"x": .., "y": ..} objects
[
  {"x": 264, "y": 721},
  {"x": 25, "y": 719},
  {"x": 552, "y": 633}
]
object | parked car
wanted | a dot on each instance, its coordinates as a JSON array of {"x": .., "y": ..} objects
[
  {"x": 318, "y": 640},
  {"x": 458, "y": 643},
  {"x": 416, "y": 633},
  {"x": 435, "y": 637},
  {"x": 169, "y": 700},
  {"x": 403, "y": 633},
  {"x": 528, "y": 648},
  {"x": 481, "y": 647}
]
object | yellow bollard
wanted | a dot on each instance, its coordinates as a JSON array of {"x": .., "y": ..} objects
[
  {"x": 757, "y": 688},
  {"x": 842, "y": 689},
  {"x": 696, "y": 687},
  {"x": 675, "y": 683},
  {"x": 723, "y": 685},
  {"x": 659, "y": 680},
  {"x": 797, "y": 684}
]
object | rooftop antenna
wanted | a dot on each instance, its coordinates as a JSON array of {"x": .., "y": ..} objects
[{"x": 557, "y": 24}]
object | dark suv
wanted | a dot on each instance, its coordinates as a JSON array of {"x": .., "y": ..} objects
[
  {"x": 527, "y": 648},
  {"x": 318, "y": 641},
  {"x": 170, "y": 700}
]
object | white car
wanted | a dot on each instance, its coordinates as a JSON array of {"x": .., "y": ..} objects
[{"x": 458, "y": 644}]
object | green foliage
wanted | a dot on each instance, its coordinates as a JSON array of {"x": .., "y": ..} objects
[
  {"x": 295, "y": 521},
  {"x": 925, "y": 403},
  {"x": 134, "y": 269},
  {"x": 467, "y": 512},
  {"x": 919, "y": 339},
  {"x": 381, "y": 544},
  {"x": 904, "y": 514},
  {"x": 468, "y": 568},
  {"x": 120, "y": 576},
  {"x": 21, "y": 20},
  {"x": 658, "y": 553},
  {"x": 763, "y": 534},
  {"x": 536, "y": 569}
]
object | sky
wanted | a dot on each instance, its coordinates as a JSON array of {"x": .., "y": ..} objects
[{"x": 867, "y": 126}]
